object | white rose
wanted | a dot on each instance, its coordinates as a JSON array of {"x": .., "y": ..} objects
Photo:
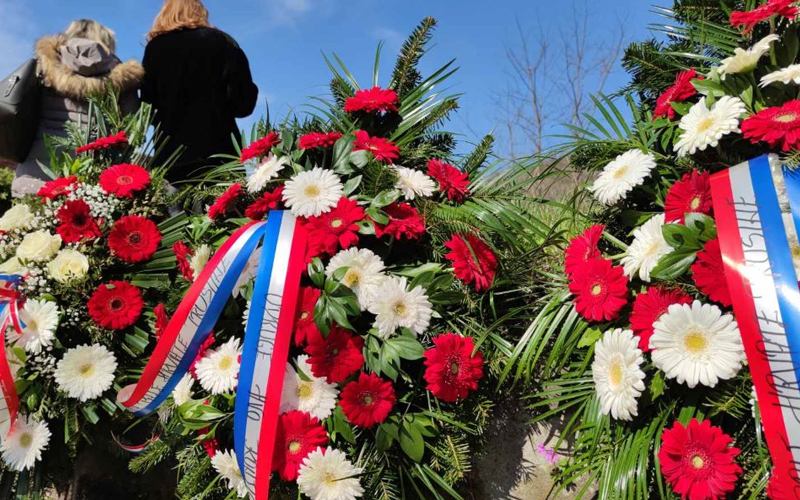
[
  {"x": 16, "y": 217},
  {"x": 69, "y": 264},
  {"x": 12, "y": 266},
  {"x": 38, "y": 246}
]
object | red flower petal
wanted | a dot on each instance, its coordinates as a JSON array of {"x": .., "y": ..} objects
[
  {"x": 260, "y": 147},
  {"x": 76, "y": 222},
  {"x": 297, "y": 435},
  {"x": 134, "y": 238},
  {"x": 452, "y": 371},
  {"x": 404, "y": 222},
  {"x": 336, "y": 356},
  {"x": 374, "y": 100},
  {"x": 473, "y": 260},
  {"x": 116, "y": 305},
  {"x": 600, "y": 289},
  {"x": 383, "y": 150},
  {"x": 314, "y": 140},
  {"x": 708, "y": 273},
  {"x": 225, "y": 201},
  {"x": 452, "y": 181},
  {"x": 368, "y": 400},
  {"x": 648, "y": 308},
  {"x": 777, "y": 126},
  {"x": 583, "y": 248}
]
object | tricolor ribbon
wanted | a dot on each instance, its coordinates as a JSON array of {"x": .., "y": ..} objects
[
  {"x": 266, "y": 344},
  {"x": 9, "y": 316},
  {"x": 756, "y": 241}
]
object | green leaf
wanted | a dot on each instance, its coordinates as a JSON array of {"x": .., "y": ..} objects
[
  {"x": 406, "y": 345},
  {"x": 351, "y": 185},
  {"x": 411, "y": 441},
  {"x": 673, "y": 265},
  {"x": 704, "y": 225},
  {"x": 384, "y": 198},
  {"x": 681, "y": 237},
  {"x": 657, "y": 385},
  {"x": 590, "y": 336},
  {"x": 386, "y": 435}
]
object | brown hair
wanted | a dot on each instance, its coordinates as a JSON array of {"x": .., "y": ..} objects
[{"x": 178, "y": 14}]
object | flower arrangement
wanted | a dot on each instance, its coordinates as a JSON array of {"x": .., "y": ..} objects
[
  {"x": 83, "y": 262},
  {"x": 652, "y": 375},
  {"x": 412, "y": 276}
]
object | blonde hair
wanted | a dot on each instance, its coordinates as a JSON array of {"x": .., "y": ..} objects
[
  {"x": 91, "y": 30},
  {"x": 177, "y": 14}
]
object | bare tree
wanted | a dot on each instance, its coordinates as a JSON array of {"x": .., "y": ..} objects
[{"x": 552, "y": 73}]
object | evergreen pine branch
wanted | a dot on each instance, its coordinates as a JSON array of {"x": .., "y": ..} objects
[{"x": 406, "y": 76}]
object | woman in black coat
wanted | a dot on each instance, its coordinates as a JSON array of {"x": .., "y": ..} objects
[{"x": 198, "y": 80}]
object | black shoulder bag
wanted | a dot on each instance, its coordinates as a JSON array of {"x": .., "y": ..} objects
[{"x": 20, "y": 106}]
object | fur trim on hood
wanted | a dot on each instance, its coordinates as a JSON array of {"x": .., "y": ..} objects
[{"x": 125, "y": 76}]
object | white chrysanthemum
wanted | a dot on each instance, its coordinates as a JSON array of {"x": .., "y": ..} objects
[
  {"x": 364, "y": 272},
  {"x": 200, "y": 259},
  {"x": 617, "y": 373},
  {"x": 787, "y": 75},
  {"x": 41, "y": 320},
  {"x": 85, "y": 372},
  {"x": 621, "y": 175},
  {"x": 248, "y": 273},
  {"x": 329, "y": 475},
  {"x": 307, "y": 393},
  {"x": 703, "y": 127},
  {"x": 183, "y": 390},
  {"x": 647, "y": 248},
  {"x": 25, "y": 443},
  {"x": 395, "y": 306},
  {"x": 227, "y": 466},
  {"x": 312, "y": 192},
  {"x": 745, "y": 60},
  {"x": 697, "y": 344},
  {"x": 414, "y": 183},
  {"x": 267, "y": 170},
  {"x": 218, "y": 371}
]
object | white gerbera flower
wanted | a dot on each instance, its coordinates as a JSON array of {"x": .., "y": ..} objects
[
  {"x": 41, "y": 320},
  {"x": 364, "y": 272},
  {"x": 268, "y": 169},
  {"x": 618, "y": 378},
  {"x": 85, "y": 372},
  {"x": 227, "y": 466},
  {"x": 395, "y": 306},
  {"x": 200, "y": 259},
  {"x": 307, "y": 393},
  {"x": 329, "y": 475},
  {"x": 697, "y": 344},
  {"x": 25, "y": 443},
  {"x": 183, "y": 390},
  {"x": 218, "y": 371},
  {"x": 414, "y": 183},
  {"x": 745, "y": 60},
  {"x": 703, "y": 127},
  {"x": 312, "y": 192},
  {"x": 621, "y": 175},
  {"x": 647, "y": 249},
  {"x": 787, "y": 75},
  {"x": 248, "y": 273}
]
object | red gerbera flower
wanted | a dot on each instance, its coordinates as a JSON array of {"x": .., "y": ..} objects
[
  {"x": 708, "y": 273},
  {"x": 119, "y": 139},
  {"x": 600, "y": 289},
  {"x": 76, "y": 222},
  {"x": 313, "y": 140},
  {"x": 368, "y": 400},
  {"x": 335, "y": 229},
  {"x": 777, "y": 126},
  {"x": 404, "y": 222},
  {"x": 268, "y": 201},
  {"x": 304, "y": 325},
  {"x": 182, "y": 255},
  {"x": 451, "y": 180},
  {"x": 162, "y": 320},
  {"x": 123, "y": 180},
  {"x": 583, "y": 248},
  {"x": 297, "y": 435},
  {"x": 690, "y": 194},
  {"x": 762, "y": 13},
  {"x": 473, "y": 260},
  {"x": 382, "y": 149},
  {"x": 374, "y": 100},
  {"x": 134, "y": 238},
  {"x": 261, "y": 147},
  {"x": 115, "y": 305},
  {"x": 336, "y": 356},
  {"x": 201, "y": 353},
  {"x": 224, "y": 202},
  {"x": 57, "y": 187},
  {"x": 698, "y": 460},
  {"x": 648, "y": 308},
  {"x": 452, "y": 370},
  {"x": 681, "y": 90},
  {"x": 210, "y": 445}
]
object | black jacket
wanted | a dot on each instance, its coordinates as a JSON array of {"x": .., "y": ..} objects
[{"x": 199, "y": 82}]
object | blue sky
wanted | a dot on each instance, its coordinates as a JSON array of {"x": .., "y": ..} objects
[{"x": 284, "y": 39}]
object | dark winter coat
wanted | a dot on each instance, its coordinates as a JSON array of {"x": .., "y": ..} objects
[
  {"x": 70, "y": 74},
  {"x": 199, "y": 82}
]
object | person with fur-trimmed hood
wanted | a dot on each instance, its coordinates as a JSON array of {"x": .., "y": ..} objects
[{"x": 74, "y": 65}]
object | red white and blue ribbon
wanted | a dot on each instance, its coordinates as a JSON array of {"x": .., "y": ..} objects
[
  {"x": 756, "y": 242},
  {"x": 9, "y": 316},
  {"x": 266, "y": 344}
]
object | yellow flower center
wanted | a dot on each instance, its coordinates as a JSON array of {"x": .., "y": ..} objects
[
  {"x": 695, "y": 203},
  {"x": 400, "y": 309},
  {"x": 25, "y": 439},
  {"x": 786, "y": 118},
  {"x": 351, "y": 278},
  {"x": 698, "y": 462},
  {"x": 311, "y": 191},
  {"x": 303, "y": 391},
  {"x": 367, "y": 399},
  {"x": 652, "y": 249},
  {"x": 596, "y": 289},
  {"x": 304, "y": 315},
  {"x": 695, "y": 342},
  {"x": 225, "y": 363},
  {"x": 86, "y": 370},
  {"x": 336, "y": 223},
  {"x": 295, "y": 447},
  {"x": 454, "y": 368},
  {"x": 615, "y": 373},
  {"x": 705, "y": 124},
  {"x": 330, "y": 479},
  {"x": 621, "y": 172}
]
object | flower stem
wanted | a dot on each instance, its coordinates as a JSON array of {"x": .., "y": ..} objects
[{"x": 614, "y": 241}]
